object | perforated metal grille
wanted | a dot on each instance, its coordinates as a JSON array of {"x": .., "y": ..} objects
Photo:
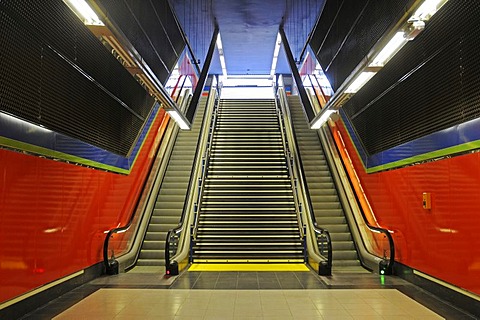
[
  {"x": 349, "y": 30},
  {"x": 151, "y": 29},
  {"x": 430, "y": 85},
  {"x": 55, "y": 73}
]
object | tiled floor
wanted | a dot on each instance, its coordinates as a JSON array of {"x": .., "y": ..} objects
[
  {"x": 248, "y": 295},
  {"x": 248, "y": 304},
  {"x": 248, "y": 280}
]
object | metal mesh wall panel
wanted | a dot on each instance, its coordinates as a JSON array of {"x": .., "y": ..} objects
[
  {"x": 55, "y": 73},
  {"x": 165, "y": 14},
  {"x": 339, "y": 31},
  {"x": 120, "y": 13},
  {"x": 355, "y": 27},
  {"x": 159, "y": 42},
  {"x": 430, "y": 85},
  {"x": 59, "y": 27},
  {"x": 327, "y": 17}
]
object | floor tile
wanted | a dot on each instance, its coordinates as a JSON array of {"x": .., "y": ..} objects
[{"x": 239, "y": 295}]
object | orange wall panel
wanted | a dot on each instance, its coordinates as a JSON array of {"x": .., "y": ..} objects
[
  {"x": 53, "y": 215},
  {"x": 443, "y": 241}
]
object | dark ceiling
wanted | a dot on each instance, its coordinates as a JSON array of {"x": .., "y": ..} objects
[{"x": 248, "y": 29}]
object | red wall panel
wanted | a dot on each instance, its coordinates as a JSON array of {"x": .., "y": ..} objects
[
  {"x": 443, "y": 242},
  {"x": 53, "y": 215}
]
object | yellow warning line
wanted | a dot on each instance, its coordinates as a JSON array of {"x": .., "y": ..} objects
[{"x": 272, "y": 267}]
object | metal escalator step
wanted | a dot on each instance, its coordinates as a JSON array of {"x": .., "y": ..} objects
[
  {"x": 341, "y": 236},
  {"x": 325, "y": 198},
  {"x": 154, "y": 245},
  {"x": 161, "y": 227},
  {"x": 161, "y": 212},
  {"x": 156, "y": 236},
  {"x": 152, "y": 254},
  {"x": 326, "y": 206},
  {"x": 345, "y": 263},
  {"x": 159, "y": 220},
  {"x": 331, "y": 220},
  {"x": 150, "y": 262},
  {"x": 174, "y": 198},
  {"x": 343, "y": 245},
  {"x": 170, "y": 191},
  {"x": 334, "y": 228}
]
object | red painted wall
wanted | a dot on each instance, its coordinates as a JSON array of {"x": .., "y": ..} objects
[
  {"x": 443, "y": 242},
  {"x": 53, "y": 215}
]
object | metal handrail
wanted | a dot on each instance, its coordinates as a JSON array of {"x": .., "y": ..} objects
[
  {"x": 181, "y": 225},
  {"x": 182, "y": 229},
  {"x": 205, "y": 164},
  {"x": 326, "y": 266},
  {"x": 290, "y": 161}
]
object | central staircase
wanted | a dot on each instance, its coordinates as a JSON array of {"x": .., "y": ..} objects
[{"x": 247, "y": 210}]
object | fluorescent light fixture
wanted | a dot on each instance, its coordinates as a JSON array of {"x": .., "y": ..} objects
[
  {"x": 182, "y": 123},
  {"x": 427, "y": 9},
  {"x": 392, "y": 47},
  {"x": 324, "y": 116},
  {"x": 221, "y": 55},
  {"x": 83, "y": 10},
  {"x": 276, "y": 51},
  {"x": 359, "y": 82}
]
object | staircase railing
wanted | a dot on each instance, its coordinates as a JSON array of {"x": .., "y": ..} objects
[
  {"x": 318, "y": 240},
  {"x": 177, "y": 245},
  {"x": 205, "y": 164},
  {"x": 290, "y": 160}
]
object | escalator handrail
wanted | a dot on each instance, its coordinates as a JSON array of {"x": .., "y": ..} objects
[
  {"x": 198, "y": 153},
  {"x": 205, "y": 165},
  {"x": 317, "y": 229},
  {"x": 387, "y": 233},
  {"x": 106, "y": 261},
  {"x": 288, "y": 157},
  {"x": 378, "y": 229}
]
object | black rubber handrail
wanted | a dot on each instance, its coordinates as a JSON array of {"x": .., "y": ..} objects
[
  {"x": 180, "y": 227},
  {"x": 206, "y": 164},
  {"x": 111, "y": 265},
  {"x": 327, "y": 267},
  {"x": 388, "y": 268},
  {"x": 317, "y": 229},
  {"x": 288, "y": 158}
]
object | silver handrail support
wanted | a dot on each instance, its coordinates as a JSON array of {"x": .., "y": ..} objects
[
  {"x": 315, "y": 258},
  {"x": 180, "y": 259},
  {"x": 290, "y": 164}
]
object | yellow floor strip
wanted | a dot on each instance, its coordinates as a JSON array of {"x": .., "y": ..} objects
[{"x": 272, "y": 267}]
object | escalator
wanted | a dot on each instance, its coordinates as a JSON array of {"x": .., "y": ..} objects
[
  {"x": 326, "y": 205},
  {"x": 247, "y": 211},
  {"x": 171, "y": 196}
]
